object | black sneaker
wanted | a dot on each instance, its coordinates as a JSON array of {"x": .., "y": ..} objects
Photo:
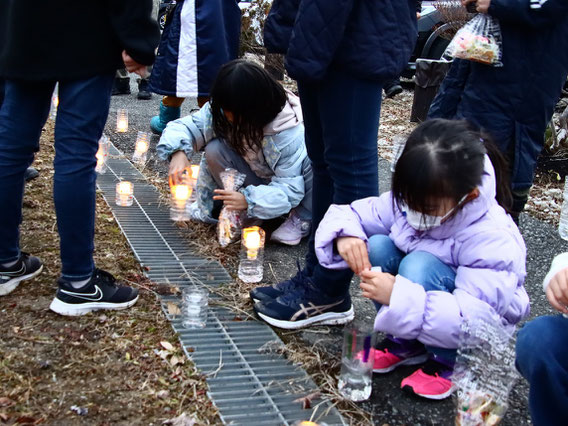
[
  {"x": 101, "y": 292},
  {"x": 271, "y": 292},
  {"x": 392, "y": 91},
  {"x": 26, "y": 267},
  {"x": 121, "y": 86},
  {"x": 306, "y": 306},
  {"x": 143, "y": 91}
]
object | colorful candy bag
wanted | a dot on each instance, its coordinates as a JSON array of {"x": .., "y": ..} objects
[
  {"x": 230, "y": 221},
  {"x": 479, "y": 40},
  {"x": 484, "y": 373}
]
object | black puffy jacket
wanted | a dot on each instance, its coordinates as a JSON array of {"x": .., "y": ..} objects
[
  {"x": 371, "y": 39},
  {"x": 68, "y": 39}
]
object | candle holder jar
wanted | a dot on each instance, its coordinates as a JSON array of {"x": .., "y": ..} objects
[
  {"x": 141, "y": 148},
  {"x": 180, "y": 194},
  {"x": 54, "y": 105},
  {"x": 122, "y": 120},
  {"x": 124, "y": 194},
  {"x": 252, "y": 254},
  {"x": 195, "y": 302},
  {"x": 102, "y": 154},
  {"x": 357, "y": 360},
  {"x": 193, "y": 181}
]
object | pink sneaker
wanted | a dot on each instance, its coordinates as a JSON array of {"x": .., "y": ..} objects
[
  {"x": 390, "y": 354},
  {"x": 292, "y": 230},
  {"x": 431, "y": 381}
]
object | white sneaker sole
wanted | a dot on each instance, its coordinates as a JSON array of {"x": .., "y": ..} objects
[
  {"x": 11, "y": 285},
  {"x": 329, "y": 318},
  {"x": 286, "y": 242},
  {"x": 435, "y": 397},
  {"x": 409, "y": 361},
  {"x": 74, "y": 310}
]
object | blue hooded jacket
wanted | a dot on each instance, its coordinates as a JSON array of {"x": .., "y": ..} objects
[
  {"x": 515, "y": 102},
  {"x": 370, "y": 39},
  {"x": 199, "y": 37}
]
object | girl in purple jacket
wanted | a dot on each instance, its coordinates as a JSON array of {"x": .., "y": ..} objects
[{"x": 446, "y": 246}]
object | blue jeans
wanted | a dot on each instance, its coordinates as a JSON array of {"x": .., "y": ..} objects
[
  {"x": 542, "y": 346},
  {"x": 81, "y": 116},
  {"x": 341, "y": 119},
  {"x": 419, "y": 267}
]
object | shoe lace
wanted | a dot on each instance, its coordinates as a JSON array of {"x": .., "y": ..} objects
[
  {"x": 105, "y": 277},
  {"x": 296, "y": 281}
]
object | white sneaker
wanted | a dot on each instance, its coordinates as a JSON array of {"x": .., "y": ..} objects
[{"x": 292, "y": 230}]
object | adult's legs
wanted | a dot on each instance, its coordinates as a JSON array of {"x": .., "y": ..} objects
[
  {"x": 81, "y": 116},
  {"x": 541, "y": 359},
  {"x": 22, "y": 116},
  {"x": 343, "y": 153}
]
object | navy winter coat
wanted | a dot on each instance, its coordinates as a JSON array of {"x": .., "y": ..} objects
[
  {"x": 200, "y": 36},
  {"x": 514, "y": 102},
  {"x": 371, "y": 39}
]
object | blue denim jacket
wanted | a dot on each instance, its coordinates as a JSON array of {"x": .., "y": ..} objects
[{"x": 284, "y": 152}]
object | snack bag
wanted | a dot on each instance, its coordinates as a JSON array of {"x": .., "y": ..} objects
[
  {"x": 484, "y": 373},
  {"x": 479, "y": 40},
  {"x": 230, "y": 221}
]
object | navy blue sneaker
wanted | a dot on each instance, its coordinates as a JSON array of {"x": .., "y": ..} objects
[
  {"x": 26, "y": 268},
  {"x": 100, "y": 292},
  {"x": 271, "y": 292},
  {"x": 306, "y": 306}
]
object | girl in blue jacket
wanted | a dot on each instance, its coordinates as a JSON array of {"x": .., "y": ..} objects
[{"x": 254, "y": 126}]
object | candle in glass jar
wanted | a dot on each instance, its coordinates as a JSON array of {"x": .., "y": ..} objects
[
  {"x": 141, "y": 147},
  {"x": 122, "y": 120},
  {"x": 252, "y": 241},
  {"x": 124, "y": 194}
]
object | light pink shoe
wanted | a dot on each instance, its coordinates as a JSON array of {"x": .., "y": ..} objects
[
  {"x": 431, "y": 381},
  {"x": 292, "y": 230}
]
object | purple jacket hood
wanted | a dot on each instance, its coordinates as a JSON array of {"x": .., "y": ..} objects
[{"x": 481, "y": 242}]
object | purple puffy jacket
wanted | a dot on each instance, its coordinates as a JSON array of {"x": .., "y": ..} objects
[{"x": 481, "y": 243}]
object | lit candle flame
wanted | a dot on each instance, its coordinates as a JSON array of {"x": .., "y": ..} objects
[
  {"x": 122, "y": 120},
  {"x": 252, "y": 240},
  {"x": 181, "y": 192},
  {"x": 141, "y": 146},
  {"x": 125, "y": 188},
  {"x": 55, "y": 101}
]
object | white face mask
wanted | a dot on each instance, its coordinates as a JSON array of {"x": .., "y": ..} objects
[{"x": 426, "y": 222}]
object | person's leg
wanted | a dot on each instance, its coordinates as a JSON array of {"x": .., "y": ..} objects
[
  {"x": 432, "y": 381},
  {"x": 81, "y": 116},
  {"x": 349, "y": 113},
  {"x": 220, "y": 156},
  {"x": 304, "y": 209},
  {"x": 341, "y": 118},
  {"x": 541, "y": 359},
  {"x": 22, "y": 115}
]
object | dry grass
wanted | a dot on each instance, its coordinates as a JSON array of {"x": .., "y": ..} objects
[{"x": 102, "y": 368}]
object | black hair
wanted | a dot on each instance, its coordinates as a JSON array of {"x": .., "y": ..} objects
[
  {"x": 445, "y": 158},
  {"x": 253, "y": 97}
]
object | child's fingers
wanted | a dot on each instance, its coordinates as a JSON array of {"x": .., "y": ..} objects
[
  {"x": 364, "y": 256},
  {"x": 365, "y": 286},
  {"x": 367, "y": 295}
]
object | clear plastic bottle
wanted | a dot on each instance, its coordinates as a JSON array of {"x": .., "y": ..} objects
[
  {"x": 194, "y": 308},
  {"x": 563, "y": 223}
]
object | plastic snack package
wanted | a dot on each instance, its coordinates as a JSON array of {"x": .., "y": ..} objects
[
  {"x": 479, "y": 40},
  {"x": 484, "y": 373},
  {"x": 230, "y": 221}
]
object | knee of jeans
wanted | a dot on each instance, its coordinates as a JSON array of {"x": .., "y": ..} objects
[
  {"x": 380, "y": 248},
  {"x": 214, "y": 151},
  {"x": 538, "y": 343},
  {"x": 417, "y": 267}
]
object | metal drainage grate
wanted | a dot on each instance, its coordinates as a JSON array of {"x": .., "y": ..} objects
[{"x": 249, "y": 380}]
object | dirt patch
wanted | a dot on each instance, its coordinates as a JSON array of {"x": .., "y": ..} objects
[{"x": 103, "y": 368}]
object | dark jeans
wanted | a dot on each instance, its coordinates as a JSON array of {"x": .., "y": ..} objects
[
  {"x": 81, "y": 116},
  {"x": 341, "y": 119},
  {"x": 541, "y": 359}
]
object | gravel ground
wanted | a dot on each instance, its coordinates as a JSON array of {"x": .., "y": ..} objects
[{"x": 387, "y": 404}]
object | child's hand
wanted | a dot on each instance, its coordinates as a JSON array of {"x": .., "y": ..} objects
[
  {"x": 557, "y": 291},
  {"x": 233, "y": 200},
  {"x": 178, "y": 163},
  {"x": 354, "y": 251},
  {"x": 377, "y": 286}
]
